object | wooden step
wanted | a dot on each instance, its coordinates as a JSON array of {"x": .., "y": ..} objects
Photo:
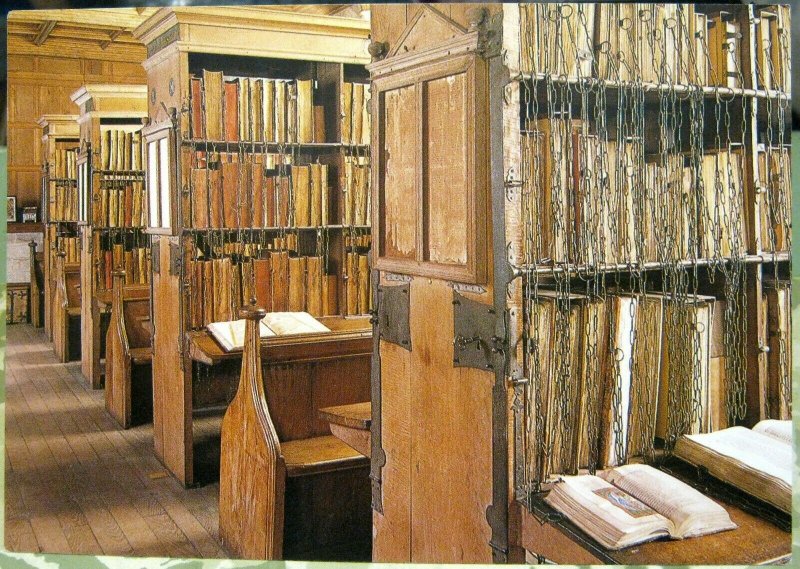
[{"x": 319, "y": 454}]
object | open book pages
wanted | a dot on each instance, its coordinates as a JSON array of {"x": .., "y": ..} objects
[
  {"x": 611, "y": 516},
  {"x": 757, "y": 464},
  {"x": 691, "y": 513},
  {"x": 231, "y": 335},
  {"x": 781, "y": 430}
]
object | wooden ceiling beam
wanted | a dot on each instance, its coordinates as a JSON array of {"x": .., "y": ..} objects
[{"x": 44, "y": 31}]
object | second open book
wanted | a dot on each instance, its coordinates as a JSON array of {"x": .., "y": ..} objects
[{"x": 231, "y": 335}]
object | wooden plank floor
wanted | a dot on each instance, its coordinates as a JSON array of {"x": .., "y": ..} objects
[{"x": 76, "y": 483}]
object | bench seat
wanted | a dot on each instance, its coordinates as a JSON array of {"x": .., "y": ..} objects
[
  {"x": 141, "y": 356},
  {"x": 319, "y": 454}
]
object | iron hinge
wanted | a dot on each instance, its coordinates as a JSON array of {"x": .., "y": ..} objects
[
  {"x": 478, "y": 334},
  {"x": 175, "y": 259},
  {"x": 155, "y": 257}
]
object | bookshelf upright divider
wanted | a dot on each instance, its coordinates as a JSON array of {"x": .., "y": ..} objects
[
  {"x": 248, "y": 205},
  {"x": 60, "y": 139},
  {"x": 111, "y": 207}
]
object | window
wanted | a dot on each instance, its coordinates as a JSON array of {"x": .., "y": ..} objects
[
  {"x": 84, "y": 189},
  {"x": 160, "y": 176}
]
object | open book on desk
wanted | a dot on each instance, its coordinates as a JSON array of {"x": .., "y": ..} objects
[
  {"x": 634, "y": 504},
  {"x": 757, "y": 461},
  {"x": 231, "y": 335}
]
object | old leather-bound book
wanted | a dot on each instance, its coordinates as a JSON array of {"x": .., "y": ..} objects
[
  {"x": 215, "y": 191},
  {"x": 128, "y": 151},
  {"x": 305, "y": 111},
  {"x": 194, "y": 269},
  {"x": 346, "y": 112},
  {"x": 301, "y": 184},
  {"x": 313, "y": 286},
  {"x": 319, "y": 123},
  {"x": 196, "y": 102},
  {"x": 282, "y": 200},
  {"x": 262, "y": 275},
  {"x": 246, "y": 282},
  {"x": 113, "y": 208},
  {"x": 352, "y": 284},
  {"x": 366, "y": 131},
  {"x": 279, "y": 262},
  {"x": 136, "y": 151},
  {"x": 280, "y": 111},
  {"x": 230, "y": 191},
  {"x": 270, "y": 214},
  {"x": 268, "y": 109},
  {"x": 330, "y": 295},
  {"x": 297, "y": 283},
  {"x": 213, "y": 94},
  {"x": 222, "y": 289},
  {"x": 141, "y": 253},
  {"x": 208, "y": 292},
  {"x": 315, "y": 216},
  {"x": 128, "y": 265},
  {"x": 256, "y": 179},
  {"x": 105, "y": 149},
  {"x": 291, "y": 111},
  {"x": 244, "y": 109},
  {"x": 357, "y": 113},
  {"x": 104, "y": 219},
  {"x": 363, "y": 284},
  {"x": 128, "y": 212},
  {"x": 257, "y": 109},
  {"x": 121, "y": 140},
  {"x": 200, "y": 182},
  {"x": 231, "y": 110},
  {"x": 136, "y": 209}
]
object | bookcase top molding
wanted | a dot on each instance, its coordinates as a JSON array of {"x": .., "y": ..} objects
[
  {"x": 63, "y": 126},
  {"x": 111, "y": 100},
  {"x": 255, "y": 32}
]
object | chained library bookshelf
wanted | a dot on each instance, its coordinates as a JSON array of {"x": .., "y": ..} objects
[
  {"x": 60, "y": 139},
  {"x": 257, "y": 151},
  {"x": 111, "y": 207},
  {"x": 619, "y": 279}
]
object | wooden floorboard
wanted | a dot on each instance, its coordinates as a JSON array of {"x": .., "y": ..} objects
[{"x": 76, "y": 482}]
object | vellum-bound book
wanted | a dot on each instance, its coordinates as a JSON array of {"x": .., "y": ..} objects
[
  {"x": 231, "y": 335},
  {"x": 758, "y": 461},
  {"x": 635, "y": 504}
]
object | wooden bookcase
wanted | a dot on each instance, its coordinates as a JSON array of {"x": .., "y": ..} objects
[
  {"x": 105, "y": 109},
  {"x": 453, "y": 426},
  {"x": 59, "y": 133},
  {"x": 251, "y": 43}
]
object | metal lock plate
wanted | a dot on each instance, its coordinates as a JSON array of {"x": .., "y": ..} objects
[
  {"x": 155, "y": 257},
  {"x": 476, "y": 343},
  {"x": 393, "y": 311}
]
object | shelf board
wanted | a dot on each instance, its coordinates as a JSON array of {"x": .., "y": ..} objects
[
  {"x": 273, "y": 229},
  {"x": 118, "y": 173},
  {"x": 709, "y": 91},
  {"x": 586, "y": 269},
  {"x": 272, "y": 146}
]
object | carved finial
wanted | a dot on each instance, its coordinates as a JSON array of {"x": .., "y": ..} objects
[
  {"x": 378, "y": 50},
  {"x": 252, "y": 311},
  {"x": 476, "y": 17}
]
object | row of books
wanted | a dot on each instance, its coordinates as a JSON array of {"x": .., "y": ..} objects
[
  {"x": 71, "y": 246},
  {"x": 636, "y": 503},
  {"x": 355, "y": 123},
  {"x": 279, "y": 282},
  {"x": 602, "y": 202},
  {"x": 120, "y": 150},
  {"x": 775, "y": 201},
  {"x": 651, "y": 43},
  {"x": 254, "y": 109},
  {"x": 135, "y": 261},
  {"x": 122, "y": 205},
  {"x": 615, "y": 373},
  {"x": 65, "y": 164},
  {"x": 230, "y": 192},
  {"x": 356, "y": 192},
  {"x": 63, "y": 202},
  {"x": 773, "y": 66}
]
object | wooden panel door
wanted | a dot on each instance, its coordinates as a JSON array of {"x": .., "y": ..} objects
[{"x": 432, "y": 214}]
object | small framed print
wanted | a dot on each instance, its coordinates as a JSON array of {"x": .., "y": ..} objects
[{"x": 11, "y": 208}]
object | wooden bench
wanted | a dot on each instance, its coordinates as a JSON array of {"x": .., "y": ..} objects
[
  {"x": 129, "y": 355},
  {"x": 303, "y": 497},
  {"x": 66, "y": 317},
  {"x": 37, "y": 286}
]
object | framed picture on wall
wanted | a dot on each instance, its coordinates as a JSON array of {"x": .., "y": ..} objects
[{"x": 11, "y": 208}]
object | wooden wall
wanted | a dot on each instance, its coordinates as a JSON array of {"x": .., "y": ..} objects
[{"x": 40, "y": 81}]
